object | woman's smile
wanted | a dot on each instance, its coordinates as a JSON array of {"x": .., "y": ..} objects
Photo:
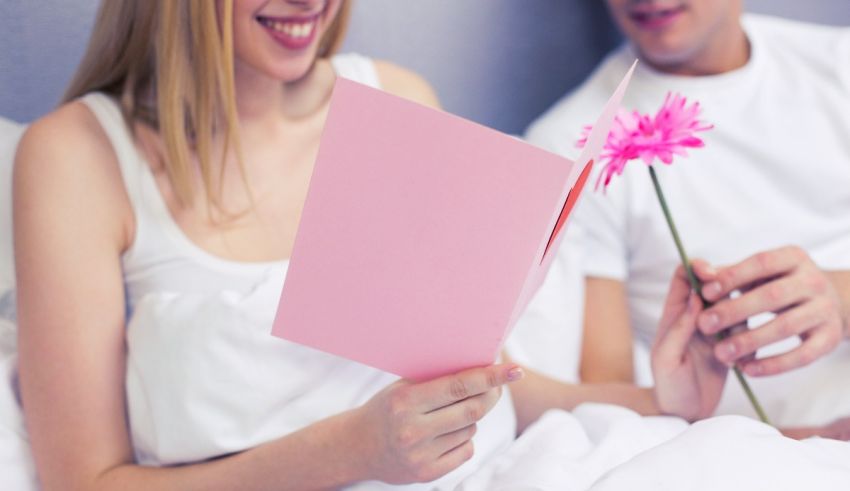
[{"x": 295, "y": 32}]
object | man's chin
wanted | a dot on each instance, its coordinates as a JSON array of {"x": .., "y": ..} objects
[{"x": 667, "y": 58}]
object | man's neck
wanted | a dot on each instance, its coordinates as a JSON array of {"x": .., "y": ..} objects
[{"x": 728, "y": 50}]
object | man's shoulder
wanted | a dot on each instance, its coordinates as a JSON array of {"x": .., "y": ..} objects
[
  {"x": 559, "y": 127},
  {"x": 783, "y": 27},
  {"x": 795, "y": 37}
]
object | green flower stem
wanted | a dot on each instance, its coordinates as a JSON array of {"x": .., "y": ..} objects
[{"x": 696, "y": 285}]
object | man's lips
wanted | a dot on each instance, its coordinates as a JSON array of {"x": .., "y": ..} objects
[{"x": 651, "y": 16}]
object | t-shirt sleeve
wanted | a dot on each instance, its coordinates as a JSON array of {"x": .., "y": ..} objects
[
  {"x": 546, "y": 134},
  {"x": 602, "y": 218}
]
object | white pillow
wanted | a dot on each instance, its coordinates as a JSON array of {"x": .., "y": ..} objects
[
  {"x": 17, "y": 470},
  {"x": 10, "y": 133}
]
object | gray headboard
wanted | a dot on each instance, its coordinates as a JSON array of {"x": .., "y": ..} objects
[{"x": 499, "y": 62}]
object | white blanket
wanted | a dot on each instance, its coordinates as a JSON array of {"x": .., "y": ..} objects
[
  {"x": 596, "y": 447},
  {"x": 17, "y": 471},
  {"x": 608, "y": 448}
]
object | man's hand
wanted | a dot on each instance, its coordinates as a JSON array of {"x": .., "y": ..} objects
[
  {"x": 837, "y": 430},
  {"x": 787, "y": 282},
  {"x": 688, "y": 378}
]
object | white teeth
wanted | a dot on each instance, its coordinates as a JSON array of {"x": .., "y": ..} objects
[
  {"x": 291, "y": 29},
  {"x": 303, "y": 30}
]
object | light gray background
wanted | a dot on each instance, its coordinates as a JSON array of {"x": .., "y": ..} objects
[{"x": 499, "y": 62}]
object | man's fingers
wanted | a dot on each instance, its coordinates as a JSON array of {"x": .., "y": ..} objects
[
  {"x": 770, "y": 297},
  {"x": 677, "y": 298},
  {"x": 704, "y": 271},
  {"x": 763, "y": 265},
  {"x": 673, "y": 342},
  {"x": 818, "y": 344},
  {"x": 839, "y": 430},
  {"x": 447, "y": 390},
  {"x": 792, "y": 322},
  {"x": 680, "y": 286}
]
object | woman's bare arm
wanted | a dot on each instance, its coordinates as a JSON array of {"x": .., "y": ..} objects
[
  {"x": 535, "y": 394},
  {"x": 72, "y": 221}
]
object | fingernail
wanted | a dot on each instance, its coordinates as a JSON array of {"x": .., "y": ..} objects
[
  {"x": 725, "y": 353},
  {"x": 515, "y": 374},
  {"x": 710, "y": 321},
  {"x": 711, "y": 270},
  {"x": 712, "y": 289},
  {"x": 754, "y": 369}
]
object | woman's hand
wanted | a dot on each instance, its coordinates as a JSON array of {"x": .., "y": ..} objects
[
  {"x": 689, "y": 380},
  {"x": 418, "y": 432}
]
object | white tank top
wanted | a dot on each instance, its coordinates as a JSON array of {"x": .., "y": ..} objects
[{"x": 205, "y": 377}]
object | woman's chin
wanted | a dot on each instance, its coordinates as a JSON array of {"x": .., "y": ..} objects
[{"x": 292, "y": 71}]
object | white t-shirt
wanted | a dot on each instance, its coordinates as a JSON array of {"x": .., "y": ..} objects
[{"x": 775, "y": 170}]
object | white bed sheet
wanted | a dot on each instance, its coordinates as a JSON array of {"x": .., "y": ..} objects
[
  {"x": 17, "y": 471},
  {"x": 595, "y": 447},
  {"x": 608, "y": 448}
]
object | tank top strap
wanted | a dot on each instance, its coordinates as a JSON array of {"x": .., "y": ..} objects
[
  {"x": 109, "y": 115},
  {"x": 148, "y": 209}
]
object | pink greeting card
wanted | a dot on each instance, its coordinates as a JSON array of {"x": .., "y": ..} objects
[{"x": 424, "y": 235}]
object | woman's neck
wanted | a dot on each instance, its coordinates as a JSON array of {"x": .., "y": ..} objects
[{"x": 260, "y": 98}]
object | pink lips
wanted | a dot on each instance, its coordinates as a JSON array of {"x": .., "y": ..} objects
[
  {"x": 656, "y": 18},
  {"x": 294, "y": 33}
]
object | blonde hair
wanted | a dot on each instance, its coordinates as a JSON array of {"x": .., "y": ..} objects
[{"x": 170, "y": 64}]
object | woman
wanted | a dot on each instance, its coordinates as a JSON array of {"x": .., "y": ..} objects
[{"x": 154, "y": 213}]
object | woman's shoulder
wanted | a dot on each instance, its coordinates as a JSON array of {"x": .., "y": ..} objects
[
  {"x": 69, "y": 135},
  {"x": 65, "y": 161},
  {"x": 405, "y": 83}
]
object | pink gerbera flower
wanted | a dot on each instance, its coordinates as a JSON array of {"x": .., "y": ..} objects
[
  {"x": 670, "y": 132},
  {"x": 640, "y": 136}
]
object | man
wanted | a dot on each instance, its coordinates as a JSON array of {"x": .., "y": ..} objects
[{"x": 768, "y": 198}]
